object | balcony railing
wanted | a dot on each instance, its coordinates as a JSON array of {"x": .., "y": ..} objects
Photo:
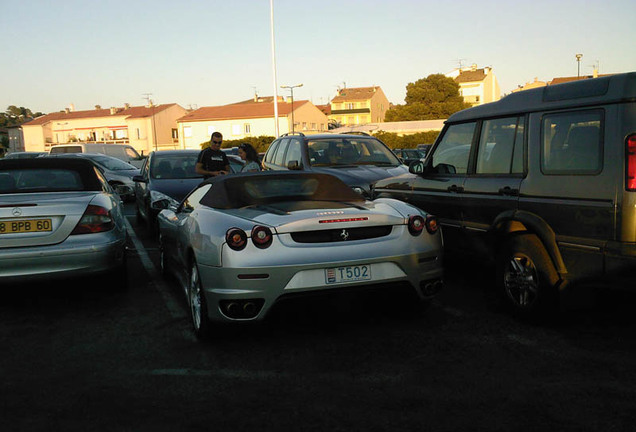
[{"x": 352, "y": 111}]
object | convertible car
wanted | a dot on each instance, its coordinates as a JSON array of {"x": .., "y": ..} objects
[
  {"x": 240, "y": 243},
  {"x": 60, "y": 219}
]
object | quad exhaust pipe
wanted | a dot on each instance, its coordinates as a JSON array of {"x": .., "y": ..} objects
[
  {"x": 241, "y": 309},
  {"x": 431, "y": 287}
]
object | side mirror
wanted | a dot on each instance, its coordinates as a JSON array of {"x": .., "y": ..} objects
[
  {"x": 417, "y": 167},
  {"x": 139, "y": 179},
  {"x": 122, "y": 190},
  {"x": 294, "y": 165}
]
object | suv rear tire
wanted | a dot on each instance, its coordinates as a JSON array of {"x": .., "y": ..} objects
[{"x": 527, "y": 278}]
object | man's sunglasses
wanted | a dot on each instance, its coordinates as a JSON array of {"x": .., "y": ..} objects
[{"x": 217, "y": 142}]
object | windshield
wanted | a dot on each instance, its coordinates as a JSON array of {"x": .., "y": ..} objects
[
  {"x": 171, "y": 166},
  {"x": 112, "y": 164},
  {"x": 350, "y": 151}
]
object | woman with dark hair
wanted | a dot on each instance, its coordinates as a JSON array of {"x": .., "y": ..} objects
[{"x": 250, "y": 156}]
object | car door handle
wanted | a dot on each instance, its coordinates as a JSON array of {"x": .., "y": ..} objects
[
  {"x": 455, "y": 188},
  {"x": 508, "y": 191}
]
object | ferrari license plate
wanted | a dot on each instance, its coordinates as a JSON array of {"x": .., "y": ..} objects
[
  {"x": 348, "y": 274},
  {"x": 25, "y": 226}
]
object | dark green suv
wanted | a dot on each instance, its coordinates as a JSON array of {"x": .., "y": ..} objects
[{"x": 542, "y": 182}]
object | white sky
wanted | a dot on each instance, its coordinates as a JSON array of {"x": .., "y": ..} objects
[{"x": 214, "y": 52}]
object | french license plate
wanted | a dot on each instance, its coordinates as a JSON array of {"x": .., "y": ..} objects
[
  {"x": 25, "y": 226},
  {"x": 348, "y": 274}
]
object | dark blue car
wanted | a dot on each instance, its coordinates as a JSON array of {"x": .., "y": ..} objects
[{"x": 166, "y": 177}]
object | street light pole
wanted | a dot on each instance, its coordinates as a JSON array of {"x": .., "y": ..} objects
[
  {"x": 291, "y": 88},
  {"x": 578, "y": 62},
  {"x": 271, "y": 25}
]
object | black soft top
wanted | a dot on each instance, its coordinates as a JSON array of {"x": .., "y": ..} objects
[{"x": 242, "y": 190}]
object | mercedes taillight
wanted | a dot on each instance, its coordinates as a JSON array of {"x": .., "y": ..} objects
[{"x": 94, "y": 220}]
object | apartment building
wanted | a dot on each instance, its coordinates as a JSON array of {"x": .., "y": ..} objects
[
  {"x": 145, "y": 128},
  {"x": 358, "y": 106},
  {"x": 254, "y": 117},
  {"x": 476, "y": 85}
]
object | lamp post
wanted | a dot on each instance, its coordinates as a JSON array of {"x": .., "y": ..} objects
[
  {"x": 291, "y": 88},
  {"x": 578, "y": 62}
]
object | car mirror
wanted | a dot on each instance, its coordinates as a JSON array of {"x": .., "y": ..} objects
[
  {"x": 294, "y": 165},
  {"x": 122, "y": 189},
  {"x": 417, "y": 167},
  {"x": 139, "y": 178}
]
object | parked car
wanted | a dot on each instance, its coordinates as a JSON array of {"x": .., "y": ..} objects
[
  {"x": 166, "y": 177},
  {"x": 59, "y": 218},
  {"x": 116, "y": 171},
  {"x": 408, "y": 156},
  {"x": 240, "y": 243},
  {"x": 424, "y": 148},
  {"x": 125, "y": 152},
  {"x": 24, "y": 155},
  {"x": 357, "y": 160},
  {"x": 542, "y": 182}
]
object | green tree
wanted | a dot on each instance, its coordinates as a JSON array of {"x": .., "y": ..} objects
[
  {"x": 395, "y": 141},
  {"x": 16, "y": 115},
  {"x": 434, "y": 97},
  {"x": 260, "y": 143}
]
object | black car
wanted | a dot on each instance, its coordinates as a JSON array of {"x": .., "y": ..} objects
[{"x": 357, "y": 160}]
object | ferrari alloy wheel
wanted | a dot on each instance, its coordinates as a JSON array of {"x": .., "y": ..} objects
[{"x": 198, "y": 307}]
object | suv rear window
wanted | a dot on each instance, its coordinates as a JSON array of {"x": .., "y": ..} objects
[{"x": 572, "y": 143}]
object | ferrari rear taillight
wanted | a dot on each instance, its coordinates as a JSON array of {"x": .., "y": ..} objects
[
  {"x": 416, "y": 224},
  {"x": 261, "y": 237},
  {"x": 236, "y": 238},
  {"x": 431, "y": 224},
  {"x": 630, "y": 162},
  {"x": 94, "y": 220}
]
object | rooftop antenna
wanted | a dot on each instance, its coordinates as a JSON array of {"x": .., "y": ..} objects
[
  {"x": 460, "y": 63},
  {"x": 148, "y": 98}
]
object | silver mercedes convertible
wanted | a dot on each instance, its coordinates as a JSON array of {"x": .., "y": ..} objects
[{"x": 240, "y": 243}]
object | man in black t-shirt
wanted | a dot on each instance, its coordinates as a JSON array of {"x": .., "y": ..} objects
[{"x": 212, "y": 161}]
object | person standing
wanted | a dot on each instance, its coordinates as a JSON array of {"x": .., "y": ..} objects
[
  {"x": 212, "y": 161},
  {"x": 250, "y": 156}
]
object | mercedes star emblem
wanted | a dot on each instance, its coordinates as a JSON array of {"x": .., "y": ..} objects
[
  {"x": 17, "y": 211},
  {"x": 344, "y": 234}
]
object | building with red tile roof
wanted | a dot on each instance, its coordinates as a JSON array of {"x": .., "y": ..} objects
[
  {"x": 145, "y": 128},
  {"x": 358, "y": 106},
  {"x": 249, "y": 118},
  {"x": 476, "y": 85}
]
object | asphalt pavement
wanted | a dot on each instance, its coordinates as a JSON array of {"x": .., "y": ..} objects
[{"x": 79, "y": 357}]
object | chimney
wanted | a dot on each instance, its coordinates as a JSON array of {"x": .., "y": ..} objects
[
  {"x": 473, "y": 67},
  {"x": 98, "y": 107},
  {"x": 113, "y": 110},
  {"x": 71, "y": 107},
  {"x": 126, "y": 105},
  {"x": 67, "y": 110},
  {"x": 595, "y": 73}
]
